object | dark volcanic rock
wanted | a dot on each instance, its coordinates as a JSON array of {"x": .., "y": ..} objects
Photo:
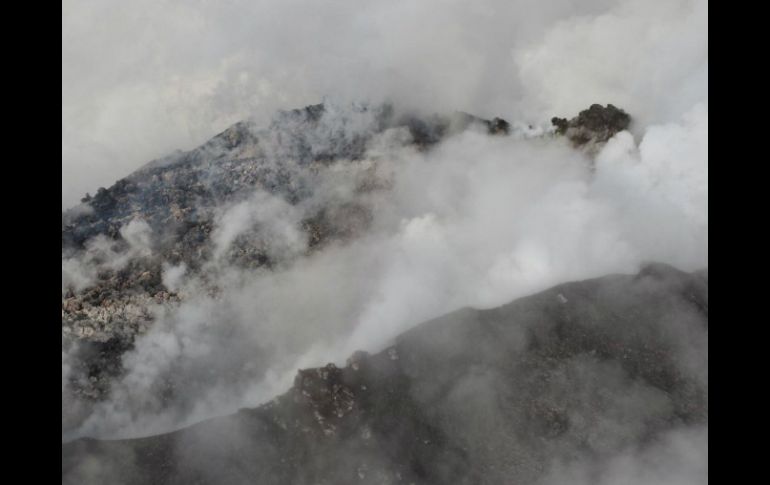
[
  {"x": 594, "y": 125},
  {"x": 478, "y": 396}
]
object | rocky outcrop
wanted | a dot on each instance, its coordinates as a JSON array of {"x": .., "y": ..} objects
[
  {"x": 593, "y": 127},
  {"x": 579, "y": 371}
]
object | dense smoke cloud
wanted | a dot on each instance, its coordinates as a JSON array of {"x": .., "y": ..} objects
[{"x": 475, "y": 221}]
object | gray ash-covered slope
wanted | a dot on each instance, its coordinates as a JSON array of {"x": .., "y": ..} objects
[
  {"x": 180, "y": 196},
  {"x": 178, "y": 200},
  {"x": 578, "y": 372},
  {"x": 174, "y": 192}
]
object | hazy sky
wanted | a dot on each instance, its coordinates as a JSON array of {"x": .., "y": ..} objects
[{"x": 143, "y": 78}]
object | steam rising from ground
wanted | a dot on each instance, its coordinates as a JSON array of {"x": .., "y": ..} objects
[
  {"x": 101, "y": 253},
  {"x": 476, "y": 221}
]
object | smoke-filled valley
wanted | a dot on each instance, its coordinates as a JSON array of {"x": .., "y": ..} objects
[{"x": 357, "y": 282}]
